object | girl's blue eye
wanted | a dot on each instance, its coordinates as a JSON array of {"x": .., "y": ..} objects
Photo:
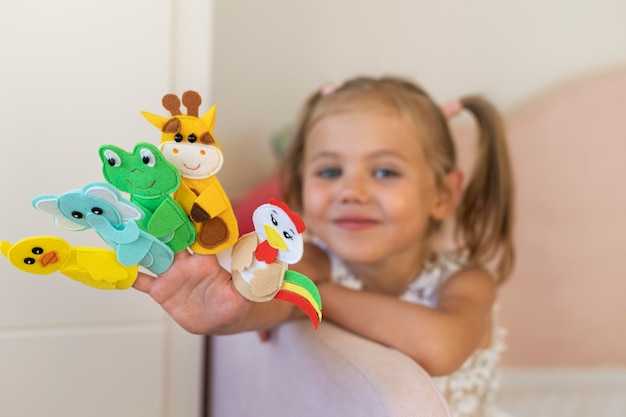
[
  {"x": 384, "y": 173},
  {"x": 329, "y": 173}
]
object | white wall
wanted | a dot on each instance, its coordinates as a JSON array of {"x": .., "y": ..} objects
[
  {"x": 269, "y": 55},
  {"x": 75, "y": 75}
]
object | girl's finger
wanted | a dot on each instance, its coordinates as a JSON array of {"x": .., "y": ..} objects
[
  {"x": 184, "y": 254},
  {"x": 264, "y": 335},
  {"x": 143, "y": 282}
]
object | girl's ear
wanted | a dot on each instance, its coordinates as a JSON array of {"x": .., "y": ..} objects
[{"x": 448, "y": 195}]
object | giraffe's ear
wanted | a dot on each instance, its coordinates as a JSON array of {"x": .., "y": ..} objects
[
  {"x": 209, "y": 118},
  {"x": 155, "y": 120},
  {"x": 173, "y": 125}
]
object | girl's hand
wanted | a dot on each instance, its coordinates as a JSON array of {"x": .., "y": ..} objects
[{"x": 197, "y": 293}]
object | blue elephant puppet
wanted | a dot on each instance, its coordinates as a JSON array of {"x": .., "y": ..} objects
[{"x": 100, "y": 206}]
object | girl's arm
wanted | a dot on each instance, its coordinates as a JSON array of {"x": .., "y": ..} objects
[
  {"x": 200, "y": 296},
  {"x": 439, "y": 339}
]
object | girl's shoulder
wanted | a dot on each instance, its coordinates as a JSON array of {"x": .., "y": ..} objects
[
  {"x": 427, "y": 286},
  {"x": 315, "y": 263},
  {"x": 338, "y": 271}
]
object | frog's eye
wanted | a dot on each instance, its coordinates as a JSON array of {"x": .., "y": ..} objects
[
  {"x": 147, "y": 157},
  {"x": 112, "y": 158}
]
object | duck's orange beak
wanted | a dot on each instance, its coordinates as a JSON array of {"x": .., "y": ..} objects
[{"x": 49, "y": 258}]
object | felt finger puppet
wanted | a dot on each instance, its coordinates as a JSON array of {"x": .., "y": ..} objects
[
  {"x": 150, "y": 180},
  {"x": 100, "y": 206},
  {"x": 260, "y": 258},
  {"x": 94, "y": 267},
  {"x": 187, "y": 142}
]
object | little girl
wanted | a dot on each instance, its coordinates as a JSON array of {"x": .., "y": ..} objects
[{"x": 372, "y": 168}]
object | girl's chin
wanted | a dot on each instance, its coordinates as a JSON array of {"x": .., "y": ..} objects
[{"x": 353, "y": 253}]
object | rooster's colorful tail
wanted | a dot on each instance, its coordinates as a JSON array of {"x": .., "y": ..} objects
[{"x": 299, "y": 290}]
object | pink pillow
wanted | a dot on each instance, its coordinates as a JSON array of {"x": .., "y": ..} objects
[{"x": 259, "y": 194}]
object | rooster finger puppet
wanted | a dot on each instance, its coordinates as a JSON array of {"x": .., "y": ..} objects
[
  {"x": 187, "y": 142},
  {"x": 100, "y": 206},
  {"x": 260, "y": 258},
  {"x": 94, "y": 267}
]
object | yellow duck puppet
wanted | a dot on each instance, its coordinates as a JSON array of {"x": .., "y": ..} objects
[
  {"x": 94, "y": 267},
  {"x": 187, "y": 142},
  {"x": 259, "y": 261}
]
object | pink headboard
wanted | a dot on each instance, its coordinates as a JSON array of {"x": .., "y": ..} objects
[{"x": 565, "y": 304}]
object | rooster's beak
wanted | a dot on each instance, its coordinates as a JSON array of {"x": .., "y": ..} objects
[{"x": 274, "y": 238}]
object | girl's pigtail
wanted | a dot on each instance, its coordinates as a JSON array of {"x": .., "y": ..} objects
[{"x": 485, "y": 213}]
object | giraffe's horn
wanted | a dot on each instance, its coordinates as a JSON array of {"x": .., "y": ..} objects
[
  {"x": 172, "y": 104},
  {"x": 192, "y": 101}
]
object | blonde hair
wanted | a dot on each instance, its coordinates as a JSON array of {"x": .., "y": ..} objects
[{"x": 484, "y": 216}]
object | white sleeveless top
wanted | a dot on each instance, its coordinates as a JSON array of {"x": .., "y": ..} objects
[{"x": 470, "y": 390}]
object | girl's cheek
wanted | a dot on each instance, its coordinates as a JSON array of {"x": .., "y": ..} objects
[{"x": 312, "y": 200}]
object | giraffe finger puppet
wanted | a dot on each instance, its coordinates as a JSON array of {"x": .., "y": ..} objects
[
  {"x": 150, "y": 180},
  {"x": 187, "y": 142}
]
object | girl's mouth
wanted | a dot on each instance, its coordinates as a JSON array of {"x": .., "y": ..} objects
[{"x": 355, "y": 223}]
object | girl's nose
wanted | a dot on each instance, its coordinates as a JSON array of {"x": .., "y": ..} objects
[{"x": 354, "y": 189}]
